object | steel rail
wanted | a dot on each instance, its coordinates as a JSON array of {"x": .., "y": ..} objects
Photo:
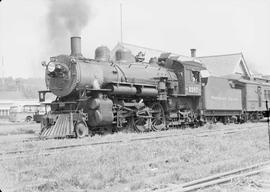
[
  {"x": 134, "y": 139},
  {"x": 217, "y": 178},
  {"x": 197, "y": 134},
  {"x": 37, "y": 139}
]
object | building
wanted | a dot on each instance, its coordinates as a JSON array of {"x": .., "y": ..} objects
[
  {"x": 10, "y": 98},
  {"x": 4, "y": 108},
  {"x": 227, "y": 64}
]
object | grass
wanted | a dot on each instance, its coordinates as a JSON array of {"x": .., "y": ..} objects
[
  {"x": 138, "y": 165},
  {"x": 18, "y": 128}
]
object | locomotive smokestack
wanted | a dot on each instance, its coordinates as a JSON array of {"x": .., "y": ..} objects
[
  {"x": 76, "y": 46},
  {"x": 193, "y": 52}
]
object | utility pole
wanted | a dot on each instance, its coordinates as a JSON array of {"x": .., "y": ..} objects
[
  {"x": 2, "y": 71},
  {"x": 268, "y": 123},
  {"x": 121, "y": 23}
]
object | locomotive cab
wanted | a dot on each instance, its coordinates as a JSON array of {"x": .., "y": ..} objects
[
  {"x": 189, "y": 79},
  {"x": 188, "y": 73}
]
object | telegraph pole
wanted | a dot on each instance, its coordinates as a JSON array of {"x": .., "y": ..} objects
[
  {"x": 2, "y": 70},
  {"x": 121, "y": 23},
  {"x": 268, "y": 123}
]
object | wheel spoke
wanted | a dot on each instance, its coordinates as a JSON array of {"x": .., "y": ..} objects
[
  {"x": 141, "y": 124},
  {"x": 158, "y": 120}
]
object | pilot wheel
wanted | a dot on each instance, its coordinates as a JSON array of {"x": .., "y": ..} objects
[{"x": 81, "y": 130}]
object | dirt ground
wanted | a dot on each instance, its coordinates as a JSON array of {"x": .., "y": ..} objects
[{"x": 130, "y": 166}]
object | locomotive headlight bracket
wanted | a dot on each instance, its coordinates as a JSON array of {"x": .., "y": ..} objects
[{"x": 51, "y": 67}]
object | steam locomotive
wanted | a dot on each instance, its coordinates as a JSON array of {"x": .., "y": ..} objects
[{"x": 101, "y": 94}]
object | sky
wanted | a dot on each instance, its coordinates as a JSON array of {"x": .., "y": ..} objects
[{"x": 213, "y": 27}]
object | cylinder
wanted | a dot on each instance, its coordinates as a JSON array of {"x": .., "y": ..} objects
[
  {"x": 75, "y": 46},
  {"x": 94, "y": 103}
]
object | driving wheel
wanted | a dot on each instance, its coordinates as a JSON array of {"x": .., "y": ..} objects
[
  {"x": 141, "y": 124},
  {"x": 158, "y": 120}
]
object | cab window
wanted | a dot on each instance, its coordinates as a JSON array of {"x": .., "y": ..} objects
[{"x": 195, "y": 76}]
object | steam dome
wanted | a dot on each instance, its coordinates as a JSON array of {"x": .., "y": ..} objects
[
  {"x": 102, "y": 53},
  {"x": 124, "y": 55}
]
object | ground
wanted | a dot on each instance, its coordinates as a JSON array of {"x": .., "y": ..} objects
[{"x": 144, "y": 165}]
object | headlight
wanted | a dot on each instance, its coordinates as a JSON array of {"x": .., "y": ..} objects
[{"x": 51, "y": 67}]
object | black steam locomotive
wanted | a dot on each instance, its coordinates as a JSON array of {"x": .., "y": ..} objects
[{"x": 126, "y": 93}]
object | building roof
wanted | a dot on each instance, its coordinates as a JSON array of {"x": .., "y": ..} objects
[
  {"x": 221, "y": 65},
  {"x": 149, "y": 52}
]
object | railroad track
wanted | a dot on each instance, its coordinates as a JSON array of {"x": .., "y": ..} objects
[
  {"x": 37, "y": 139},
  {"x": 217, "y": 178},
  {"x": 50, "y": 150}
]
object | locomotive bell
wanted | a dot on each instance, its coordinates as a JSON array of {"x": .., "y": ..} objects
[
  {"x": 102, "y": 53},
  {"x": 75, "y": 46},
  {"x": 153, "y": 60}
]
